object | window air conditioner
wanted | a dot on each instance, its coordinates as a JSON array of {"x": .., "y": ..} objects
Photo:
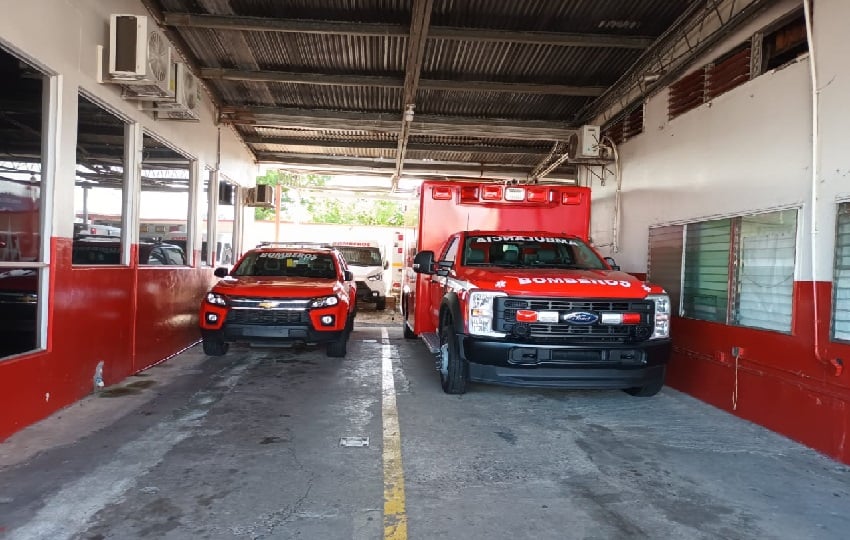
[
  {"x": 140, "y": 58},
  {"x": 262, "y": 195},
  {"x": 187, "y": 97}
]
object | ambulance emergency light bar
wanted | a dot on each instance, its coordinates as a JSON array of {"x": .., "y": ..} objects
[{"x": 473, "y": 193}]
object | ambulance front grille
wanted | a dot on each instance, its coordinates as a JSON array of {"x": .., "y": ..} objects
[{"x": 505, "y": 310}]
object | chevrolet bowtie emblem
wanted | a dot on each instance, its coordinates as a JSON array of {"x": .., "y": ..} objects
[{"x": 268, "y": 305}]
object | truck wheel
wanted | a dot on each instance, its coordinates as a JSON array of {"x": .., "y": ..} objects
[
  {"x": 215, "y": 347},
  {"x": 647, "y": 390},
  {"x": 381, "y": 304},
  {"x": 339, "y": 348},
  {"x": 452, "y": 366}
]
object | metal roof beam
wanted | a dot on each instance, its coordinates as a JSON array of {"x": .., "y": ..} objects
[
  {"x": 382, "y": 81},
  {"x": 386, "y": 145},
  {"x": 367, "y": 165},
  {"x": 419, "y": 23},
  {"x": 310, "y": 26},
  {"x": 456, "y": 126}
]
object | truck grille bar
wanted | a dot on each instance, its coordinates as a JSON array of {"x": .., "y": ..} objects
[
  {"x": 505, "y": 310},
  {"x": 268, "y": 311}
]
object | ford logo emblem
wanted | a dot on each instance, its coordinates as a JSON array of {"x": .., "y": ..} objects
[{"x": 580, "y": 317}]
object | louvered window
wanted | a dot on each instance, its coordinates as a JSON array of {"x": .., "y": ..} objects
[
  {"x": 705, "y": 293},
  {"x": 841, "y": 276},
  {"x": 665, "y": 260},
  {"x": 626, "y": 127},
  {"x": 765, "y": 270},
  {"x": 785, "y": 44},
  {"x": 728, "y": 72},
  {"x": 687, "y": 93}
]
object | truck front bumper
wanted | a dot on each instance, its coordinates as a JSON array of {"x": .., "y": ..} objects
[
  {"x": 565, "y": 366},
  {"x": 250, "y": 333}
]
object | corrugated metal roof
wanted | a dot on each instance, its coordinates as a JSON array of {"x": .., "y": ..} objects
[{"x": 315, "y": 78}]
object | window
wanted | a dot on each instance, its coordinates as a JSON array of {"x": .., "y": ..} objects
[
  {"x": 164, "y": 208},
  {"x": 665, "y": 260},
  {"x": 784, "y": 44},
  {"x": 841, "y": 276},
  {"x": 99, "y": 182},
  {"x": 705, "y": 292},
  {"x": 22, "y": 268},
  {"x": 737, "y": 271},
  {"x": 628, "y": 126},
  {"x": 224, "y": 221}
]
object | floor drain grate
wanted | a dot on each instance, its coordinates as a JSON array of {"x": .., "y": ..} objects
[{"x": 354, "y": 442}]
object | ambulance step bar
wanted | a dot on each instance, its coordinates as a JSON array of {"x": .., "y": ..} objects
[{"x": 432, "y": 341}]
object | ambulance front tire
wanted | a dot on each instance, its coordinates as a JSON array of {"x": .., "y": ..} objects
[
  {"x": 215, "y": 347},
  {"x": 454, "y": 379},
  {"x": 648, "y": 390}
]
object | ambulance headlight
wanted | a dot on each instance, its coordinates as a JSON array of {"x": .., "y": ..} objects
[
  {"x": 662, "y": 316},
  {"x": 480, "y": 313}
]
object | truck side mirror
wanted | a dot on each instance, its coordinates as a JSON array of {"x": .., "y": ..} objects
[
  {"x": 612, "y": 263},
  {"x": 423, "y": 262},
  {"x": 386, "y": 265},
  {"x": 220, "y": 272},
  {"x": 347, "y": 275}
]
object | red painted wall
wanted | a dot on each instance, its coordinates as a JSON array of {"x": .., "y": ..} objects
[
  {"x": 782, "y": 383},
  {"x": 128, "y": 317}
]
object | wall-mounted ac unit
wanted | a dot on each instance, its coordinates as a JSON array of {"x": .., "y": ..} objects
[
  {"x": 262, "y": 195},
  {"x": 187, "y": 97},
  {"x": 140, "y": 58},
  {"x": 585, "y": 143}
]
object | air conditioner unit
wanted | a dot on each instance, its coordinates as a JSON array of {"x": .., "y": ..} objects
[
  {"x": 585, "y": 143},
  {"x": 140, "y": 58},
  {"x": 262, "y": 195},
  {"x": 187, "y": 97}
]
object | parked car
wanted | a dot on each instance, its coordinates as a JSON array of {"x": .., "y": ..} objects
[{"x": 281, "y": 294}]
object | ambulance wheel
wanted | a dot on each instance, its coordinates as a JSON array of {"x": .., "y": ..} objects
[
  {"x": 452, "y": 366},
  {"x": 647, "y": 390},
  {"x": 381, "y": 304},
  {"x": 408, "y": 333},
  {"x": 215, "y": 347}
]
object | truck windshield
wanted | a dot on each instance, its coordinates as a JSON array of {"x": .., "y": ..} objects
[
  {"x": 530, "y": 252},
  {"x": 361, "y": 256},
  {"x": 287, "y": 264}
]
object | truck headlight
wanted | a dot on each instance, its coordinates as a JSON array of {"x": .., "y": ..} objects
[
  {"x": 324, "y": 301},
  {"x": 216, "y": 299},
  {"x": 480, "y": 313},
  {"x": 376, "y": 277},
  {"x": 661, "y": 327}
]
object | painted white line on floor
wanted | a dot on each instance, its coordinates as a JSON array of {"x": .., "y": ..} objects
[
  {"x": 395, "y": 514},
  {"x": 65, "y": 514}
]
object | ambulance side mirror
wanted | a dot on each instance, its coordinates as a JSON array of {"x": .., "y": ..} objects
[
  {"x": 423, "y": 263},
  {"x": 612, "y": 263}
]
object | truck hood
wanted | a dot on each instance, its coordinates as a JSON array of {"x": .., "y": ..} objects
[
  {"x": 559, "y": 282},
  {"x": 362, "y": 272},
  {"x": 278, "y": 287}
]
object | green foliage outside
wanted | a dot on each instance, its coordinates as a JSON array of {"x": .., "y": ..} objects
[{"x": 302, "y": 206}]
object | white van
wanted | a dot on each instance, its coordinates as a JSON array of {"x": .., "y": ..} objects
[{"x": 367, "y": 263}]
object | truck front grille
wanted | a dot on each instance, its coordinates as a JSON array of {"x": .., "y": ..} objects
[
  {"x": 564, "y": 332},
  {"x": 268, "y": 311}
]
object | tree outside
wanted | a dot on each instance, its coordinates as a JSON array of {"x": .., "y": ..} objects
[{"x": 301, "y": 206}]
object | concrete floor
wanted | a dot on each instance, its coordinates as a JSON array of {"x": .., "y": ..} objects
[{"x": 248, "y": 446}]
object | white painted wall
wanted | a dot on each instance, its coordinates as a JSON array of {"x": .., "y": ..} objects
[
  {"x": 749, "y": 150},
  {"x": 61, "y": 36}
]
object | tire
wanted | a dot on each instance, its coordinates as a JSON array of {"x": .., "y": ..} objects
[
  {"x": 381, "y": 304},
  {"x": 647, "y": 390},
  {"x": 454, "y": 378},
  {"x": 215, "y": 347},
  {"x": 408, "y": 333},
  {"x": 339, "y": 348}
]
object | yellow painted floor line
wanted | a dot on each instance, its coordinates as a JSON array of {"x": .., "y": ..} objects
[{"x": 395, "y": 515}]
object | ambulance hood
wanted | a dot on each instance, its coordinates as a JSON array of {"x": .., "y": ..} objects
[{"x": 558, "y": 282}]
